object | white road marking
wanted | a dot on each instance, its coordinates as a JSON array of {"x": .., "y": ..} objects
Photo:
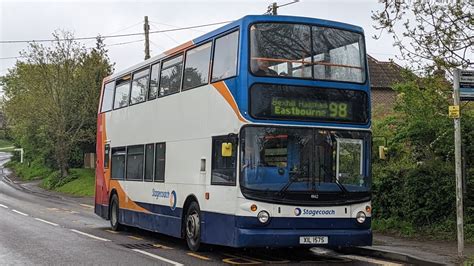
[
  {"x": 371, "y": 260},
  {"x": 46, "y": 222},
  {"x": 87, "y": 206},
  {"x": 21, "y": 213},
  {"x": 157, "y": 257},
  {"x": 3, "y": 206},
  {"x": 89, "y": 235}
]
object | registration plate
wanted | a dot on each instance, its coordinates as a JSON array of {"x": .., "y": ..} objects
[{"x": 314, "y": 240}]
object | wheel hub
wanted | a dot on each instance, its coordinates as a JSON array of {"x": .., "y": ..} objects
[
  {"x": 192, "y": 226},
  {"x": 114, "y": 214}
]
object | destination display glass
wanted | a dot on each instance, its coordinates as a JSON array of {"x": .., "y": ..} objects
[{"x": 282, "y": 102}]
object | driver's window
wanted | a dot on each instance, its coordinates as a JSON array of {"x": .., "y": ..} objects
[
  {"x": 224, "y": 160},
  {"x": 349, "y": 167}
]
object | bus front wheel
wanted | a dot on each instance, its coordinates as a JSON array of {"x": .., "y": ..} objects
[
  {"x": 114, "y": 213},
  {"x": 193, "y": 226}
]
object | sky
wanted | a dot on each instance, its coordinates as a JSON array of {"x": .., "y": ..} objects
[{"x": 33, "y": 20}]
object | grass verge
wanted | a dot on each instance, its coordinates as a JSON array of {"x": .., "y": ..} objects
[
  {"x": 445, "y": 230},
  {"x": 29, "y": 172},
  {"x": 5, "y": 143},
  {"x": 80, "y": 182},
  {"x": 82, "y": 185}
]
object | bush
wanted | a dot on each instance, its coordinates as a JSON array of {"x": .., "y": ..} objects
[
  {"x": 51, "y": 181},
  {"x": 414, "y": 190}
]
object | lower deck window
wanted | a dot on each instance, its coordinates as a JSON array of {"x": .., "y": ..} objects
[
  {"x": 160, "y": 162},
  {"x": 135, "y": 158},
  {"x": 118, "y": 163},
  {"x": 149, "y": 160}
]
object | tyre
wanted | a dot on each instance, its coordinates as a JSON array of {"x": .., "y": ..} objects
[
  {"x": 192, "y": 225},
  {"x": 114, "y": 214}
]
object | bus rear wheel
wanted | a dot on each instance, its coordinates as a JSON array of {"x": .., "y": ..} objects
[
  {"x": 192, "y": 225},
  {"x": 114, "y": 213}
]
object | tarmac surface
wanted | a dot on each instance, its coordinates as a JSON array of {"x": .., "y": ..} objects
[{"x": 46, "y": 228}]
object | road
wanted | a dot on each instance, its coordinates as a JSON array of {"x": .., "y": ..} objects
[{"x": 46, "y": 229}]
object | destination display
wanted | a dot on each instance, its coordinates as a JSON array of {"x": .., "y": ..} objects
[
  {"x": 297, "y": 103},
  {"x": 311, "y": 109}
]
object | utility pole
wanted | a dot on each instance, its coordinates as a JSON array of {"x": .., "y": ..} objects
[
  {"x": 272, "y": 9},
  {"x": 458, "y": 168},
  {"x": 146, "y": 27}
]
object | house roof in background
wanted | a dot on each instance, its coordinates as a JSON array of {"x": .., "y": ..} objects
[{"x": 383, "y": 74}]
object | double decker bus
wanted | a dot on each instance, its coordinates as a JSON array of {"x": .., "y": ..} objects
[{"x": 256, "y": 134}]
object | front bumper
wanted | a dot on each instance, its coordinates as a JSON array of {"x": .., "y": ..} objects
[{"x": 291, "y": 237}]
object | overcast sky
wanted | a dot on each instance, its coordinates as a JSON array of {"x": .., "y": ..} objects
[{"x": 30, "y": 20}]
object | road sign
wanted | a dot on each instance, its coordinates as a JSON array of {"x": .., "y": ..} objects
[
  {"x": 454, "y": 111},
  {"x": 466, "y": 85}
]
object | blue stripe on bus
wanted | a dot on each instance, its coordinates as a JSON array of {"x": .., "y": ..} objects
[
  {"x": 161, "y": 209},
  {"x": 240, "y": 231}
]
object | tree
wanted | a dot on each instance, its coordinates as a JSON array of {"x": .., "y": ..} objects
[
  {"x": 416, "y": 184},
  {"x": 436, "y": 35},
  {"x": 52, "y": 96}
]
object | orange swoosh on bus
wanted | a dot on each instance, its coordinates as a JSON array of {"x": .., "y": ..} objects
[
  {"x": 125, "y": 201},
  {"x": 224, "y": 91},
  {"x": 178, "y": 48}
]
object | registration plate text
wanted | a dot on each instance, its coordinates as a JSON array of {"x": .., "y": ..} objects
[{"x": 314, "y": 240}]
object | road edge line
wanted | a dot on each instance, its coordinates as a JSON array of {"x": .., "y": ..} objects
[
  {"x": 46, "y": 222},
  {"x": 89, "y": 235},
  {"x": 157, "y": 257},
  {"x": 19, "y": 212}
]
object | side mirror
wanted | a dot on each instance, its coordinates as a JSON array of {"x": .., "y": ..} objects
[
  {"x": 383, "y": 152},
  {"x": 226, "y": 149}
]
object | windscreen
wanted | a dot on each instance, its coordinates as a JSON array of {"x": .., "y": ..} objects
[
  {"x": 304, "y": 51},
  {"x": 284, "y": 160}
]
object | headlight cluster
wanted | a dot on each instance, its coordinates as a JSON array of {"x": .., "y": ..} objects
[
  {"x": 360, "y": 217},
  {"x": 263, "y": 217}
]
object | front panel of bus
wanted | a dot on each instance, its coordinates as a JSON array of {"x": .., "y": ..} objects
[{"x": 305, "y": 153}]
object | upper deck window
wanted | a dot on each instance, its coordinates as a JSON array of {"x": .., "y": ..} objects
[
  {"x": 122, "y": 91},
  {"x": 155, "y": 75},
  {"x": 225, "y": 56},
  {"x": 196, "y": 70},
  {"x": 303, "y": 51},
  {"x": 108, "y": 97},
  {"x": 139, "y": 86},
  {"x": 171, "y": 72}
]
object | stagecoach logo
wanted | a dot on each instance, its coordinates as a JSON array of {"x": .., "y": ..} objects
[
  {"x": 307, "y": 212},
  {"x": 173, "y": 200},
  {"x": 160, "y": 194},
  {"x": 297, "y": 211}
]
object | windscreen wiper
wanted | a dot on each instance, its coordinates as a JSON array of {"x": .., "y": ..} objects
[
  {"x": 293, "y": 177},
  {"x": 341, "y": 186}
]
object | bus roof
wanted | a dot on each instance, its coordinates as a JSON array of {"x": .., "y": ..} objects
[{"x": 242, "y": 21}]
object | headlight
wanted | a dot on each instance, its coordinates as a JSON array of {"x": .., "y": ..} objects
[
  {"x": 263, "y": 217},
  {"x": 360, "y": 217}
]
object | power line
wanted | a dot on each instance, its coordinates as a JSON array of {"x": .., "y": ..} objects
[
  {"x": 11, "y": 57},
  {"x": 169, "y": 25},
  {"x": 106, "y": 46},
  {"x": 167, "y": 35},
  {"x": 121, "y": 43},
  {"x": 126, "y": 28},
  {"x": 118, "y": 35}
]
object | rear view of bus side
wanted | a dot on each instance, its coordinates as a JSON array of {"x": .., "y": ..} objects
[{"x": 256, "y": 134}]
